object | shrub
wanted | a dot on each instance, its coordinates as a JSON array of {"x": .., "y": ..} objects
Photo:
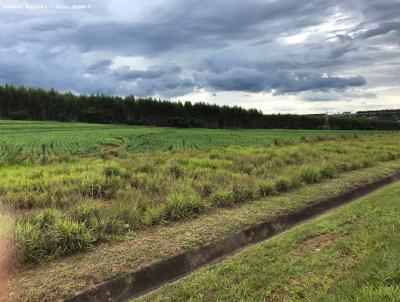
[{"x": 222, "y": 198}]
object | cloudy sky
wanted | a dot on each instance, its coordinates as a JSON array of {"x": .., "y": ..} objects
[{"x": 274, "y": 55}]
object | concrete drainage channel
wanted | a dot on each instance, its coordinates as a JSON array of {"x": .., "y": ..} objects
[{"x": 138, "y": 282}]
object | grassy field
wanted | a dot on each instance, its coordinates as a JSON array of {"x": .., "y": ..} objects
[
  {"x": 104, "y": 184},
  {"x": 23, "y": 140},
  {"x": 351, "y": 254},
  {"x": 62, "y": 277},
  {"x": 66, "y": 207}
]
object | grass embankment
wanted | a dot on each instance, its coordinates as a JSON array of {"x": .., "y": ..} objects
[
  {"x": 61, "y": 278},
  {"x": 351, "y": 254},
  {"x": 63, "y": 208}
]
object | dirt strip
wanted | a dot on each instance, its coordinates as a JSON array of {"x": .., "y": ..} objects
[{"x": 138, "y": 282}]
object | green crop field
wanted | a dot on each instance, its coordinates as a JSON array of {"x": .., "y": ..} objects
[
  {"x": 104, "y": 184},
  {"x": 20, "y": 140}
]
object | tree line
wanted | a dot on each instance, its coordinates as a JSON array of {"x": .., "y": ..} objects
[
  {"x": 17, "y": 102},
  {"x": 388, "y": 114}
]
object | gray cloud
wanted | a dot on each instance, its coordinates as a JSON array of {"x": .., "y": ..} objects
[
  {"x": 240, "y": 79},
  {"x": 332, "y": 96},
  {"x": 237, "y": 79},
  {"x": 381, "y": 29},
  {"x": 317, "y": 50},
  {"x": 125, "y": 73},
  {"x": 305, "y": 82},
  {"x": 193, "y": 23},
  {"x": 99, "y": 66}
]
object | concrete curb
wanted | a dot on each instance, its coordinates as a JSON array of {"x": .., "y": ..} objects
[{"x": 138, "y": 282}]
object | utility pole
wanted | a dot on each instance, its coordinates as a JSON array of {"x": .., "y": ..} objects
[{"x": 327, "y": 121}]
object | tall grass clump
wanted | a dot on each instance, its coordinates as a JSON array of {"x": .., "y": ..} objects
[
  {"x": 154, "y": 215},
  {"x": 175, "y": 171},
  {"x": 328, "y": 171},
  {"x": 222, "y": 198},
  {"x": 113, "y": 170},
  {"x": 266, "y": 188},
  {"x": 309, "y": 175},
  {"x": 123, "y": 216},
  {"x": 282, "y": 183},
  {"x": 244, "y": 192},
  {"x": 49, "y": 234},
  {"x": 90, "y": 215},
  {"x": 182, "y": 204}
]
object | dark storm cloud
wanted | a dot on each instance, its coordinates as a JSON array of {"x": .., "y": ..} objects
[
  {"x": 305, "y": 82},
  {"x": 241, "y": 79},
  {"x": 238, "y": 79},
  {"x": 126, "y": 73},
  {"x": 213, "y": 45},
  {"x": 382, "y": 29},
  {"x": 168, "y": 86},
  {"x": 207, "y": 23},
  {"x": 161, "y": 79},
  {"x": 99, "y": 66},
  {"x": 51, "y": 26}
]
